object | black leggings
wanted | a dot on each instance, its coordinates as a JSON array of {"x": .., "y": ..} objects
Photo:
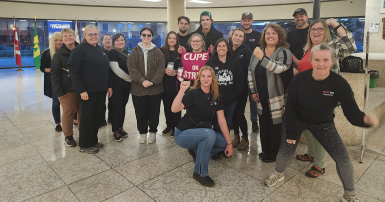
[
  {"x": 118, "y": 102},
  {"x": 328, "y": 137},
  {"x": 239, "y": 119}
]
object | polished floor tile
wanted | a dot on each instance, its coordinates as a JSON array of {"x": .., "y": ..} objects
[
  {"x": 17, "y": 153},
  {"x": 42, "y": 130},
  {"x": 131, "y": 195},
  {"x": 373, "y": 181},
  {"x": 11, "y": 137},
  {"x": 59, "y": 195},
  {"x": 100, "y": 187}
]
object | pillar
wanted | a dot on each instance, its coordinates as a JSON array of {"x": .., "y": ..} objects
[
  {"x": 316, "y": 9},
  {"x": 175, "y": 8}
]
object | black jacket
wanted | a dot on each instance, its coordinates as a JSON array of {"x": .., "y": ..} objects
[
  {"x": 210, "y": 38},
  {"x": 61, "y": 82},
  {"x": 230, "y": 77},
  {"x": 171, "y": 83},
  {"x": 45, "y": 63},
  {"x": 243, "y": 53}
]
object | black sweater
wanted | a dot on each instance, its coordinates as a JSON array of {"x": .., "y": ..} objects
[
  {"x": 45, "y": 62},
  {"x": 171, "y": 83},
  {"x": 116, "y": 81},
  {"x": 89, "y": 68},
  {"x": 243, "y": 54},
  {"x": 230, "y": 77},
  {"x": 313, "y": 101},
  {"x": 211, "y": 37}
]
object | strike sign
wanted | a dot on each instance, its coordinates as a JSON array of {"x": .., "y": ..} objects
[{"x": 192, "y": 63}]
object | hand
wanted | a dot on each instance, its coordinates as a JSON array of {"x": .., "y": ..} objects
[
  {"x": 255, "y": 97},
  {"x": 168, "y": 71},
  {"x": 184, "y": 85},
  {"x": 230, "y": 35},
  {"x": 295, "y": 71},
  {"x": 290, "y": 141},
  {"x": 109, "y": 91},
  {"x": 229, "y": 150},
  {"x": 84, "y": 96},
  {"x": 146, "y": 83},
  {"x": 371, "y": 120},
  {"x": 174, "y": 72},
  {"x": 48, "y": 70},
  {"x": 181, "y": 49},
  {"x": 211, "y": 49},
  {"x": 332, "y": 22},
  {"x": 258, "y": 53}
]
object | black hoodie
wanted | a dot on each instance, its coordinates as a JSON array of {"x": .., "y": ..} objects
[
  {"x": 211, "y": 37},
  {"x": 229, "y": 75},
  {"x": 243, "y": 53}
]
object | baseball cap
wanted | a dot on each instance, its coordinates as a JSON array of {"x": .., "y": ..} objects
[
  {"x": 247, "y": 15},
  {"x": 205, "y": 13},
  {"x": 300, "y": 10}
]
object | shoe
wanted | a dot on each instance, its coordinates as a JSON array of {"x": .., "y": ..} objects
[
  {"x": 235, "y": 141},
  {"x": 90, "y": 150},
  {"x": 58, "y": 128},
  {"x": 262, "y": 155},
  {"x": 305, "y": 157},
  {"x": 315, "y": 171},
  {"x": 244, "y": 144},
  {"x": 192, "y": 153},
  {"x": 255, "y": 127},
  {"x": 166, "y": 131},
  {"x": 69, "y": 141},
  {"x": 117, "y": 136},
  {"x": 123, "y": 133},
  {"x": 76, "y": 123},
  {"x": 347, "y": 198},
  {"x": 173, "y": 133},
  {"x": 205, "y": 181},
  {"x": 267, "y": 159},
  {"x": 273, "y": 178},
  {"x": 143, "y": 138},
  {"x": 216, "y": 156},
  {"x": 151, "y": 138},
  {"x": 99, "y": 145},
  {"x": 102, "y": 123}
]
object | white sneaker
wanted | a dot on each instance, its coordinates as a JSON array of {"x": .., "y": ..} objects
[
  {"x": 347, "y": 198},
  {"x": 143, "y": 138},
  {"x": 151, "y": 138},
  {"x": 273, "y": 178}
]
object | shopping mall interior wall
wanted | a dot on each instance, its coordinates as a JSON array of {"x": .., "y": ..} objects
[{"x": 65, "y": 12}]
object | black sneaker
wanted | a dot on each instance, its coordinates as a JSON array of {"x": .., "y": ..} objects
[
  {"x": 69, "y": 141},
  {"x": 205, "y": 181},
  {"x": 102, "y": 123},
  {"x": 166, "y": 131},
  {"x": 173, "y": 133},
  {"x": 58, "y": 128},
  {"x": 99, "y": 145},
  {"x": 192, "y": 153},
  {"x": 90, "y": 150},
  {"x": 117, "y": 136},
  {"x": 255, "y": 127},
  {"x": 123, "y": 133}
]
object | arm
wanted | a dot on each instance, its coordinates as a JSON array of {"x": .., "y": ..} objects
[
  {"x": 344, "y": 44},
  {"x": 282, "y": 64},
  {"x": 177, "y": 105},
  {"x": 291, "y": 108},
  {"x": 159, "y": 74},
  {"x": 250, "y": 77},
  {"x": 114, "y": 68},
  {"x": 44, "y": 62},
  {"x": 75, "y": 63},
  {"x": 56, "y": 76},
  {"x": 135, "y": 74},
  {"x": 225, "y": 131},
  {"x": 295, "y": 60}
]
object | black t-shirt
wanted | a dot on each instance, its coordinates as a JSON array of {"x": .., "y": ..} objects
[
  {"x": 115, "y": 56},
  {"x": 171, "y": 83},
  {"x": 252, "y": 39},
  {"x": 297, "y": 40},
  {"x": 200, "y": 107},
  {"x": 183, "y": 40},
  {"x": 89, "y": 68}
]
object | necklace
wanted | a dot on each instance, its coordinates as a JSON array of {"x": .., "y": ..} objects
[{"x": 208, "y": 96}]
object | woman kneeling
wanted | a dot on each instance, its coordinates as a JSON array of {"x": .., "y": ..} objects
[{"x": 194, "y": 131}]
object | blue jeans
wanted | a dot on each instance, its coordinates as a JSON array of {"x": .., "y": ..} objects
[
  {"x": 253, "y": 110},
  {"x": 206, "y": 142},
  {"x": 228, "y": 111},
  {"x": 55, "y": 107}
]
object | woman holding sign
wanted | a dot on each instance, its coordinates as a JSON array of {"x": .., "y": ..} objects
[
  {"x": 202, "y": 103},
  {"x": 170, "y": 82},
  {"x": 270, "y": 73}
]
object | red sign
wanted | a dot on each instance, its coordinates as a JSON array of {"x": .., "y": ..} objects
[{"x": 192, "y": 63}]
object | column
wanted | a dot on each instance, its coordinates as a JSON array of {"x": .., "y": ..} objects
[
  {"x": 175, "y": 8},
  {"x": 316, "y": 9}
]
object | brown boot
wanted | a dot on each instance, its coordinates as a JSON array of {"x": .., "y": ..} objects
[
  {"x": 235, "y": 141},
  {"x": 244, "y": 144}
]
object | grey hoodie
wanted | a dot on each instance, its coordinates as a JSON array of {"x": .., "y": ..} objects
[{"x": 145, "y": 51}]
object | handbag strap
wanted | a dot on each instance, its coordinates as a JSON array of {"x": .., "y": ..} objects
[{"x": 213, "y": 112}]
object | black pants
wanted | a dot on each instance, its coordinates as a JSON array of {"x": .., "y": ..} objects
[
  {"x": 239, "y": 119},
  {"x": 147, "y": 109},
  {"x": 103, "y": 114},
  {"x": 270, "y": 134},
  {"x": 118, "y": 102},
  {"x": 172, "y": 119},
  {"x": 91, "y": 111}
]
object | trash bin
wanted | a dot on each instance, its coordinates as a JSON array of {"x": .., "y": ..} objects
[{"x": 373, "y": 78}]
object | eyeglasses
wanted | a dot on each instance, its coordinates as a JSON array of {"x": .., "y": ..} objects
[
  {"x": 197, "y": 41},
  {"x": 183, "y": 24},
  {"x": 148, "y": 35},
  {"x": 92, "y": 34},
  {"x": 317, "y": 29}
]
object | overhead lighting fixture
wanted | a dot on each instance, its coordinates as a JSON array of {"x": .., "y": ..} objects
[
  {"x": 200, "y": 2},
  {"x": 152, "y": 0}
]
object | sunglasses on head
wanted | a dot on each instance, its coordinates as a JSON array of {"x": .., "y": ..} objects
[{"x": 148, "y": 35}]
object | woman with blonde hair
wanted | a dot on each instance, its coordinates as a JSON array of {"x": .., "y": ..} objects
[
  {"x": 55, "y": 43},
  {"x": 194, "y": 132}
]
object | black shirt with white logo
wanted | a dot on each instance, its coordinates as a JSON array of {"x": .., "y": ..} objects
[
  {"x": 200, "y": 107},
  {"x": 297, "y": 40},
  {"x": 252, "y": 39},
  {"x": 313, "y": 101}
]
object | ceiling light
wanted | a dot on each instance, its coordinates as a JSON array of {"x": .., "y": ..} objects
[
  {"x": 152, "y": 0},
  {"x": 200, "y": 2}
]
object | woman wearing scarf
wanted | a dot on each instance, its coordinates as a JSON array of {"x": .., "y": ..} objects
[{"x": 270, "y": 73}]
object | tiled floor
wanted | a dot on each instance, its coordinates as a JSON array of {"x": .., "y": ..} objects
[{"x": 36, "y": 166}]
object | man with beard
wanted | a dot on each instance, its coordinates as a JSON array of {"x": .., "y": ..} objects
[
  {"x": 252, "y": 36},
  {"x": 183, "y": 35},
  {"x": 297, "y": 37}
]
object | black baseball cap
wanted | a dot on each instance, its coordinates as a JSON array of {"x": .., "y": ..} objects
[
  {"x": 300, "y": 10},
  {"x": 247, "y": 15}
]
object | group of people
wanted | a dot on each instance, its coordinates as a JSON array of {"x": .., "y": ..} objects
[{"x": 292, "y": 82}]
